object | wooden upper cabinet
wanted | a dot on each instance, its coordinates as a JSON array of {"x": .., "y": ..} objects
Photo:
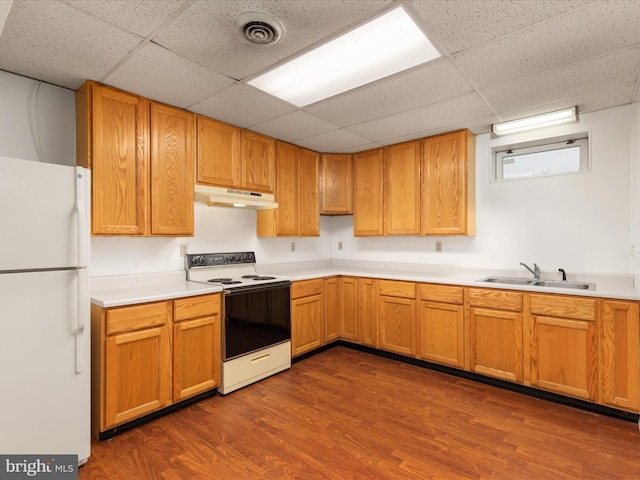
[
  {"x": 448, "y": 184},
  {"x": 337, "y": 184},
  {"x": 402, "y": 189},
  {"x": 113, "y": 131},
  {"x": 141, "y": 156},
  {"x": 368, "y": 177},
  {"x": 258, "y": 162},
  {"x": 219, "y": 153},
  {"x": 309, "y": 206},
  {"x": 296, "y": 193},
  {"x": 172, "y": 142}
]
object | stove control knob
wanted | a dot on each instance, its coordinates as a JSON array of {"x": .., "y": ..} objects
[{"x": 197, "y": 260}]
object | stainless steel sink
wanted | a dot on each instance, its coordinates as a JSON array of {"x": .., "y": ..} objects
[
  {"x": 507, "y": 280},
  {"x": 561, "y": 284},
  {"x": 538, "y": 283}
]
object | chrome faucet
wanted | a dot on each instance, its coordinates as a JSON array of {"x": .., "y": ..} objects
[{"x": 535, "y": 271}]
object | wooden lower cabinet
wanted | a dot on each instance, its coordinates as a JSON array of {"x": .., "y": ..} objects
[
  {"x": 196, "y": 345},
  {"x": 143, "y": 362},
  {"x": 441, "y": 324},
  {"x": 564, "y": 345},
  {"x": 348, "y": 328},
  {"x": 368, "y": 312},
  {"x": 620, "y": 345},
  {"x": 307, "y": 316},
  {"x": 331, "y": 309},
  {"x": 495, "y": 333},
  {"x": 397, "y": 317}
]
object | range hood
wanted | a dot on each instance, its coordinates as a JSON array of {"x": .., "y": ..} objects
[{"x": 230, "y": 197}]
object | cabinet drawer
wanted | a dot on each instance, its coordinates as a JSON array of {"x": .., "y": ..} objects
[
  {"x": 499, "y": 299},
  {"x": 127, "y": 319},
  {"x": 441, "y": 293},
  {"x": 397, "y": 289},
  {"x": 306, "y": 288},
  {"x": 194, "y": 307},
  {"x": 566, "y": 307}
]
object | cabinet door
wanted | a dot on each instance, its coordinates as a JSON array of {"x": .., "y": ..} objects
[
  {"x": 348, "y": 327},
  {"x": 307, "y": 318},
  {"x": 368, "y": 312},
  {"x": 337, "y": 184},
  {"x": 495, "y": 343},
  {"x": 258, "y": 162},
  {"x": 288, "y": 190},
  {"x": 368, "y": 177},
  {"x": 397, "y": 324},
  {"x": 172, "y": 156},
  {"x": 196, "y": 356},
  {"x": 308, "y": 204},
  {"x": 119, "y": 160},
  {"x": 331, "y": 309},
  {"x": 441, "y": 333},
  {"x": 564, "y": 356},
  {"x": 137, "y": 375},
  {"x": 620, "y": 358},
  {"x": 448, "y": 184},
  {"x": 402, "y": 189},
  {"x": 219, "y": 153}
]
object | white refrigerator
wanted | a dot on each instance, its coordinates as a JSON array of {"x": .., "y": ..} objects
[{"x": 44, "y": 309}]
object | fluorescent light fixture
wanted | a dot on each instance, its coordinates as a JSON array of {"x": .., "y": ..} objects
[
  {"x": 386, "y": 45},
  {"x": 538, "y": 121},
  {"x": 5, "y": 6}
]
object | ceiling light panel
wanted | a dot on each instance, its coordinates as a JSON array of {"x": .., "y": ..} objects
[
  {"x": 537, "y": 121},
  {"x": 381, "y": 47}
]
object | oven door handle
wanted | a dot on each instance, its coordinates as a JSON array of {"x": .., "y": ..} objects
[{"x": 258, "y": 288}]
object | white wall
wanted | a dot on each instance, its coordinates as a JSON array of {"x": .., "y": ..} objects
[
  {"x": 580, "y": 222},
  {"x": 37, "y": 120},
  {"x": 636, "y": 194}
]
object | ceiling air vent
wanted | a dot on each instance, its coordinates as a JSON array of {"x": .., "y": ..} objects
[{"x": 259, "y": 28}]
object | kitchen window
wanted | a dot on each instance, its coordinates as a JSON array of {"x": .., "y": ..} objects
[{"x": 557, "y": 156}]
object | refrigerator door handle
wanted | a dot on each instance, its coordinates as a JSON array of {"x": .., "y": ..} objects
[
  {"x": 82, "y": 198},
  {"x": 82, "y": 314}
]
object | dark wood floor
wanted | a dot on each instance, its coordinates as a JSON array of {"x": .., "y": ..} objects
[{"x": 344, "y": 414}]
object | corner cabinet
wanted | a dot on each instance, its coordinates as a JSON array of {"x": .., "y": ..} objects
[
  {"x": 298, "y": 212},
  {"x": 141, "y": 156},
  {"x": 448, "y": 184},
  {"x": 336, "y": 184}
]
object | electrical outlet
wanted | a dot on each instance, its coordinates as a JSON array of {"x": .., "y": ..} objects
[
  {"x": 184, "y": 249},
  {"x": 340, "y": 245},
  {"x": 293, "y": 246},
  {"x": 438, "y": 246}
]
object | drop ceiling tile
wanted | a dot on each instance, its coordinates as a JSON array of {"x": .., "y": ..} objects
[
  {"x": 591, "y": 75},
  {"x": 140, "y": 17},
  {"x": 242, "y": 105},
  {"x": 461, "y": 24},
  {"x": 448, "y": 112},
  {"x": 53, "y": 42},
  {"x": 592, "y": 101},
  {"x": 429, "y": 83},
  {"x": 294, "y": 126},
  {"x": 205, "y": 32},
  {"x": 167, "y": 78},
  {"x": 337, "y": 141},
  {"x": 589, "y": 32}
]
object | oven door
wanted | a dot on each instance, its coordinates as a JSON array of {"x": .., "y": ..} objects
[{"x": 256, "y": 317}]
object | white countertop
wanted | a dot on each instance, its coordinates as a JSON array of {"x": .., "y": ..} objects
[
  {"x": 131, "y": 289},
  {"x": 121, "y": 290},
  {"x": 607, "y": 286}
]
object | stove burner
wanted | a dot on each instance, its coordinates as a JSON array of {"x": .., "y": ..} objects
[
  {"x": 264, "y": 278},
  {"x": 250, "y": 276},
  {"x": 224, "y": 281}
]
